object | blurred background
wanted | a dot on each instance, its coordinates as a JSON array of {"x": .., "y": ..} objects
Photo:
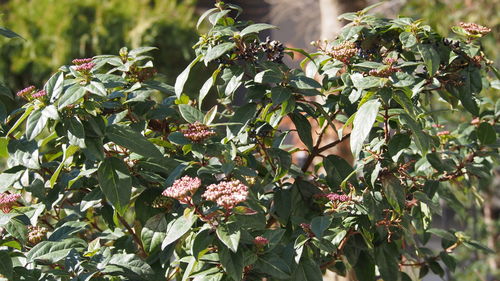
[{"x": 57, "y": 31}]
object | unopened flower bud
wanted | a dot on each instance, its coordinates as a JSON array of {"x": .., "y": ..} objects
[
  {"x": 7, "y": 201},
  {"x": 36, "y": 234}
]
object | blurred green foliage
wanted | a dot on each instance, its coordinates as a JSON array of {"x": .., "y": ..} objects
[
  {"x": 442, "y": 14},
  {"x": 56, "y": 31}
]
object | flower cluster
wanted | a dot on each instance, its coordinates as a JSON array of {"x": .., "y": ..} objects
[
  {"x": 260, "y": 241},
  {"x": 85, "y": 67},
  {"x": 197, "y": 132},
  {"x": 443, "y": 133},
  {"x": 474, "y": 28},
  {"x": 26, "y": 91},
  {"x": 273, "y": 49},
  {"x": 226, "y": 194},
  {"x": 7, "y": 201},
  {"x": 384, "y": 72},
  {"x": 334, "y": 197},
  {"x": 183, "y": 188},
  {"x": 36, "y": 234},
  {"x": 81, "y": 61},
  {"x": 343, "y": 52},
  {"x": 39, "y": 94}
]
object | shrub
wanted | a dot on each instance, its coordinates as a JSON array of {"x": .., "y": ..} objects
[{"x": 105, "y": 182}]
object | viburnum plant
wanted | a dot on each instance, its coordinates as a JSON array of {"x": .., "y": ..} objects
[{"x": 107, "y": 181}]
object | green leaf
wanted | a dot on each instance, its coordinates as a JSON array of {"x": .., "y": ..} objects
[
  {"x": 308, "y": 270},
  {"x": 35, "y": 124},
  {"x": 4, "y": 142},
  {"x": 67, "y": 153},
  {"x": 365, "y": 268},
  {"x": 210, "y": 115},
  {"x": 115, "y": 182},
  {"x": 486, "y": 134},
  {"x": 8, "y": 33},
  {"x": 256, "y": 28},
  {"x": 54, "y": 86},
  {"x": 154, "y": 232},
  {"x": 401, "y": 98},
  {"x": 364, "y": 82},
  {"x": 430, "y": 57},
  {"x": 191, "y": 114},
  {"x": 127, "y": 137},
  {"x": 408, "y": 39},
  {"x": 182, "y": 78},
  {"x": 71, "y": 95},
  {"x": 436, "y": 162},
  {"x": 303, "y": 129},
  {"x": 337, "y": 171},
  {"x": 21, "y": 119},
  {"x": 54, "y": 251},
  {"x": 387, "y": 264},
  {"x": 363, "y": 123},
  {"x": 273, "y": 265},
  {"x": 6, "y": 268},
  {"x": 96, "y": 88},
  {"x": 217, "y": 51},
  {"x": 232, "y": 263},
  {"x": 304, "y": 83},
  {"x": 129, "y": 265},
  {"x": 280, "y": 94},
  {"x": 443, "y": 234},
  {"x": 205, "y": 15},
  {"x": 397, "y": 143},
  {"x": 394, "y": 192},
  {"x": 229, "y": 234},
  {"x": 320, "y": 224},
  {"x": 16, "y": 228},
  {"x": 420, "y": 138},
  {"x": 76, "y": 132},
  {"x": 65, "y": 230},
  {"x": 178, "y": 227}
]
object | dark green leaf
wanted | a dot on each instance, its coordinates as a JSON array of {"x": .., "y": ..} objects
[
  {"x": 229, "y": 234},
  {"x": 178, "y": 227},
  {"x": 191, "y": 114},
  {"x": 127, "y": 137},
  {"x": 8, "y": 33},
  {"x": 71, "y": 95},
  {"x": 320, "y": 224},
  {"x": 232, "y": 263},
  {"x": 486, "y": 134},
  {"x": 407, "y": 39},
  {"x": 256, "y": 28},
  {"x": 65, "y": 230},
  {"x": 182, "y": 78},
  {"x": 430, "y": 57},
  {"x": 217, "y": 51},
  {"x": 115, "y": 182},
  {"x": 154, "y": 232},
  {"x": 273, "y": 265},
  {"x": 54, "y": 86},
  {"x": 303, "y": 129},
  {"x": 394, "y": 192},
  {"x": 6, "y": 268},
  {"x": 397, "y": 143},
  {"x": 54, "y": 251},
  {"x": 129, "y": 265},
  {"x": 308, "y": 270},
  {"x": 35, "y": 124},
  {"x": 421, "y": 140}
]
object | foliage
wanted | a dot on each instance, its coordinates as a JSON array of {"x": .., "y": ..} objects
[
  {"x": 56, "y": 32},
  {"x": 116, "y": 185}
]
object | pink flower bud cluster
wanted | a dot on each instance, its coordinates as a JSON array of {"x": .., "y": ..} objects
[
  {"x": 334, "y": 197},
  {"x": 85, "y": 67},
  {"x": 197, "y": 132},
  {"x": 36, "y": 234},
  {"x": 81, "y": 61},
  {"x": 260, "y": 241},
  {"x": 343, "y": 52},
  {"x": 474, "y": 28},
  {"x": 26, "y": 91},
  {"x": 7, "y": 201},
  {"x": 226, "y": 194},
  {"x": 39, "y": 94},
  {"x": 389, "y": 61},
  {"x": 443, "y": 133},
  {"x": 183, "y": 188}
]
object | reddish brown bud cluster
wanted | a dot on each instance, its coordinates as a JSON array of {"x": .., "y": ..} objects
[
  {"x": 81, "y": 61},
  {"x": 307, "y": 229},
  {"x": 86, "y": 67},
  {"x": 7, "y": 201},
  {"x": 197, "y": 132},
  {"x": 137, "y": 74},
  {"x": 36, "y": 234},
  {"x": 343, "y": 52},
  {"x": 474, "y": 28},
  {"x": 384, "y": 72}
]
